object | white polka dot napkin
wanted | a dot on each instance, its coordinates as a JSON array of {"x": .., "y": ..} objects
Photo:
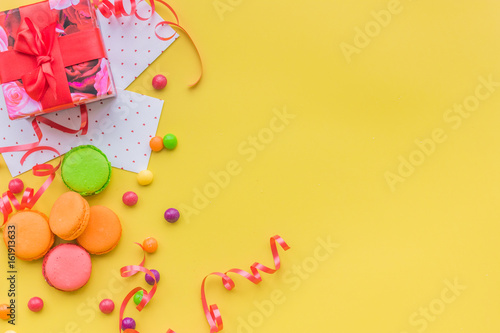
[{"x": 121, "y": 127}]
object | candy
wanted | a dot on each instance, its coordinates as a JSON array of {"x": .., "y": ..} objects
[
  {"x": 170, "y": 141},
  {"x": 138, "y": 297},
  {"x": 106, "y": 306},
  {"x": 156, "y": 143},
  {"x": 150, "y": 245},
  {"x": 4, "y": 312},
  {"x": 150, "y": 280},
  {"x": 130, "y": 198},
  {"x": 159, "y": 82},
  {"x": 35, "y": 304},
  {"x": 145, "y": 177},
  {"x": 128, "y": 323},
  {"x": 172, "y": 215},
  {"x": 16, "y": 185}
]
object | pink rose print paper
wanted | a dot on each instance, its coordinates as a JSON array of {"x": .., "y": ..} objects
[{"x": 57, "y": 58}]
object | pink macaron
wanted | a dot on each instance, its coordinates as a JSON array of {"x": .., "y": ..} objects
[{"x": 67, "y": 267}]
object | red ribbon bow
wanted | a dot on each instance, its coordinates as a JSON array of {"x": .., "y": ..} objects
[{"x": 38, "y": 43}]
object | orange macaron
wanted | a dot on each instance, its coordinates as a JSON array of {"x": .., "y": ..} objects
[
  {"x": 103, "y": 231},
  {"x": 29, "y": 234},
  {"x": 69, "y": 216}
]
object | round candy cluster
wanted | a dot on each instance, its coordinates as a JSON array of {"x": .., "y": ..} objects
[{"x": 157, "y": 143}]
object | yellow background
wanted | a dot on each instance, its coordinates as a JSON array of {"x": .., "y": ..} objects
[{"x": 321, "y": 178}]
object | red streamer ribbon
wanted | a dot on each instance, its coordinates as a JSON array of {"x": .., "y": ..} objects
[
  {"x": 131, "y": 270},
  {"x": 108, "y": 9},
  {"x": 212, "y": 312},
  {"x": 29, "y": 197},
  {"x": 84, "y": 123}
]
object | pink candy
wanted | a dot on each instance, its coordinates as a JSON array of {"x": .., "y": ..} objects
[
  {"x": 130, "y": 198},
  {"x": 159, "y": 82},
  {"x": 35, "y": 304},
  {"x": 106, "y": 306},
  {"x": 16, "y": 186}
]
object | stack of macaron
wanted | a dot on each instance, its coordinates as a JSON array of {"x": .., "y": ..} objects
[{"x": 95, "y": 230}]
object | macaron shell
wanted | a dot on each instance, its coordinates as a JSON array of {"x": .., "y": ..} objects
[
  {"x": 69, "y": 216},
  {"x": 67, "y": 267},
  {"x": 33, "y": 237},
  {"x": 103, "y": 231},
  {"x": 86, "y": 170}
]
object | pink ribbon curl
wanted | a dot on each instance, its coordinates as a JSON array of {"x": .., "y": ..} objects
[
  {"x": 29, "y": 197},
  {"x": 131, "y": 270},
  {"x": 212, "y": 312},
  {"x": 117, "y": 9}
]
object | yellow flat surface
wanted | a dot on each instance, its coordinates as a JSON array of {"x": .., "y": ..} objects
[{"x": 365, "y": 133}]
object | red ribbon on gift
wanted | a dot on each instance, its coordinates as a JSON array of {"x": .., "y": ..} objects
[
  {"x": 39, "y": 57},
  {"x": 39, "y": 44}
]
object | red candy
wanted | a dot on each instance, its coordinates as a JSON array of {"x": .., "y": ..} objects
[
  {"x": 106, "y": 306},
  {"x": 159, "y": 82},
  {"x": 130, "y": 198},
  {"x": 35, "y": 304},
  {"x": 16, "y": 185}
]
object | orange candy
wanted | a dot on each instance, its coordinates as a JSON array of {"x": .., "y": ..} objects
[
  {"x": 156, "y": 143},
  {"x": 4, "y": 312},
  {"x": 150, "y": 245}
]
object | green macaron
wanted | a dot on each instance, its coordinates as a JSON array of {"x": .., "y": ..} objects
[{"x": 86, "y": 170}]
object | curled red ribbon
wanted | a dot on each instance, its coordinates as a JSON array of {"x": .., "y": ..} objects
[
  {"x": 34, "y": 123},
  {"x": 108, "y": 9},
  {"x": 130, "y": 270},
  {"x": 29, "y": 197},
  {"x": 212, "y": 312}
]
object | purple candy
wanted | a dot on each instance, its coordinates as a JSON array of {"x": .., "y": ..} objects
[
  {"x": 172, "y": 215},
  {"x": 150, "y": 280},
  {"x": 128, "y": 323}
]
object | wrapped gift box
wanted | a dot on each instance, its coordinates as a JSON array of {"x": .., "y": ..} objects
[{"x": 52, "y": 57}]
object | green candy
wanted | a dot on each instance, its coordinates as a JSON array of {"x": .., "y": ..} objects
[
  {"x": 138, "y": 297},
  {"x": 170, "y": 141}
]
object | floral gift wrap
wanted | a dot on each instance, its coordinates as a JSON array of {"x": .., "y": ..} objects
[{"x": 52, "y": 57}]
